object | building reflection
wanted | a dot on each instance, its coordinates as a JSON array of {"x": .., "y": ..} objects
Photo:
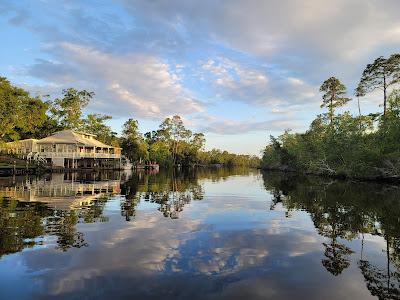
[
  {"x": 32, "y": 208},
  {"x": 62, "y": 191}
]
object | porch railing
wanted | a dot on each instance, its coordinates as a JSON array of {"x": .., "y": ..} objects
[{"x": 79, "y": 155}]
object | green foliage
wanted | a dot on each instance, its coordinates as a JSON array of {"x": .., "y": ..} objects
[
  {"x": 133, "y": 144},
  {"x": 334, "y": 95},
  {"x": 173, "y": 144},
  {"x": 68, "y": 109},
  {"x": 19, "y": 112},
  {"x": 159, "y": 152},
  {"x": 48, "y": 127},
  {"x": 350, "y": 146},
  {"x": 96, "y": 124},
  {"x": 176, "y": 135},
  {"x": 224, "y": 158},
  {"x": 381, "y": 74}
]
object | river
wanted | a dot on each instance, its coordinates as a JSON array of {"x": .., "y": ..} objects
[{"x": 199, "y": 234}]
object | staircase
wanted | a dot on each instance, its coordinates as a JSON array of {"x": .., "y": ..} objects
[{"x": 34, "y": 156}]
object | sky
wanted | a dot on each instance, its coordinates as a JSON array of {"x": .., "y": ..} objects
[{"x": 236, "y": 70}]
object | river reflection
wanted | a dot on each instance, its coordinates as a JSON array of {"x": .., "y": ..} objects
[{"x": 199, "y": 234}]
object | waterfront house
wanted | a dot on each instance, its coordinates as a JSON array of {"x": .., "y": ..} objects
[{"x": 68, "y": 149}]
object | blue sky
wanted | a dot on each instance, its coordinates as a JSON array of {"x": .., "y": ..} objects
[{"x": 238, "y": 71}]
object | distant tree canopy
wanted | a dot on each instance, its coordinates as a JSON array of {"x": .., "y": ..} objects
[{"x": 174, "y": 144}]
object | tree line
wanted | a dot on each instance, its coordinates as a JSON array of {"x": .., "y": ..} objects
[
  {"x": 24, "y": 116},
  {"x": 343, "y": 144},
  {"x": 173, "y": 144}
]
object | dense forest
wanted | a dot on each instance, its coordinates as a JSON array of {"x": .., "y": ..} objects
[
  {"x": 347, "y": 145},
  {"x": 23, "y": 116}
]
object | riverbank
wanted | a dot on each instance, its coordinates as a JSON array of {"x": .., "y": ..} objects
[{"x": 378, "y": 179}]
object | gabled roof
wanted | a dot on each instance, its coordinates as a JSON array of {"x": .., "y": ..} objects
[{"x": 68, "y": 136}]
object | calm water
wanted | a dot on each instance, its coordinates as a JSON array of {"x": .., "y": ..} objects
[{"x": 222, "y": 234}]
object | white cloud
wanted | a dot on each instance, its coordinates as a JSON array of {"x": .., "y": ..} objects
[
  {"x": 270, "y": 55},
  {"x": 234, "y": 81},
  {"x": 134, "y": 84},
  {"x": 232, "y": 75},
  {"x": 227, "y": 126},
  {"x": 310, "y": 37}
]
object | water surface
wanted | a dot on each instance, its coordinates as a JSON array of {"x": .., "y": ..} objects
[{"x": 206, "y": 234}]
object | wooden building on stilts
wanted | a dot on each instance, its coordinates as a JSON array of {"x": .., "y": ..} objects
[{"x": 69, "y": 149}]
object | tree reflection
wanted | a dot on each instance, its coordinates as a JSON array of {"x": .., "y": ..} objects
[
  {"x": 82, "y": 196},
  {"x": 131, "y": 198},
  {"x": 384, "y": 281},
  {"x": 342, "y": 210},
  {"x": 171, "y": 191},
  {"x": 31, "y": 207},
  {"x": 23, "y": 224},
  {"x": 333, "y": 222},
  {"x": 20, "y": 224},
  {"x": 385, "y": 284},
  {"x": 336, "y": 257},
  {"x": 63, "y": 225}
]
